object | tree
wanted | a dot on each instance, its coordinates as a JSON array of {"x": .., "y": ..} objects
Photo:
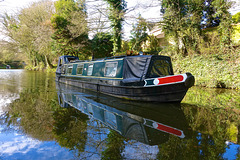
[
  {"x": 139, "y": 34},
  {"x": 70, "y": 28},
  {"x": 182, "y": 21},
  {"x": 9, "y": 52},
  {"x": 153, "y": 44},
  {"x": 31, "y": 31},
  {"x": 117, "y": 10},
  {"x": 209, "y": 19},
  {"x": 102, "y": 45},
  {"x": 225, "y": 27},
  {"x": 185, "y": 19},
  {"x": 41, "y": 30}
]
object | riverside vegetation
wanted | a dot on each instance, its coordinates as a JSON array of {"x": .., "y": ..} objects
[
  {"x": 214, "y": 67},
  {"x": 202, "y": 37}
]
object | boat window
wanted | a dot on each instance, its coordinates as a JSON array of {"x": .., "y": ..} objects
[
  {"x": 69, "y": 69},
  {"x": 160, "y": 67},
  {"x": 90, "y": 69},
  {"x": 111, "y": 119},
  {"x": 111, "y": 69},
  {"x": 80, "y": 69}
]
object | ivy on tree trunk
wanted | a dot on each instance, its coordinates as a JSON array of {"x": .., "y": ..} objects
[{"x": 117, "y": 10}]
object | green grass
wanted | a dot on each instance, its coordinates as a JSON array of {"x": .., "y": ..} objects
[{"x": 215, "y": 70}]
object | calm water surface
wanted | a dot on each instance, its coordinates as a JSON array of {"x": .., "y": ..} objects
[{"x": 40, "y": 119}]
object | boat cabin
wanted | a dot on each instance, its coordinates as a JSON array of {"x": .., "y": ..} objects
[{"x": 126, "y": 68}]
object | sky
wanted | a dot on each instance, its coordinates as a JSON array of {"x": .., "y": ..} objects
[{"x": 12, "y": 6}]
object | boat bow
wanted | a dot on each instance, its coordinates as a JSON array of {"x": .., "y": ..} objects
[{"x": 186, "y": 78}]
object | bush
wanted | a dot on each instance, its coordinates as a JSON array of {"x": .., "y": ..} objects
[
  {"x": 236, "y": 18},
  {"x": 211, "y": 70},
  {"x": 102, "y": 46}
]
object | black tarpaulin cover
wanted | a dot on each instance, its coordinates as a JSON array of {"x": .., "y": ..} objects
[{"x": 135, "y": 68}]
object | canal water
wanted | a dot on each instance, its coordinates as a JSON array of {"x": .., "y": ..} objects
[{"x": 41, "y": 119}]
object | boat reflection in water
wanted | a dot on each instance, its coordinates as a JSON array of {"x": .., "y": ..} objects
[{"x": 149, "y": 123}]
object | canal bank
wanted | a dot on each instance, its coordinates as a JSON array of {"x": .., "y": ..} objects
[
  {"x": 212, "y": 71},
  {"x": 12, "y": 65}
]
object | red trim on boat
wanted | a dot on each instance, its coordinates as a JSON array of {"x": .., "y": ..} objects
[
  {"x": 170, "y": 79},
  {"x": 169, "y": 130}
]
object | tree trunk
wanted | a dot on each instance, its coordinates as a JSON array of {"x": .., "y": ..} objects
[{"x": 49, "y": 64}]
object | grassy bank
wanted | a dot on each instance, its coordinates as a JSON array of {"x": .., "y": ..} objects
[
  {"x": 14, "y": 65},
  {"x": 214, "y": 70}
]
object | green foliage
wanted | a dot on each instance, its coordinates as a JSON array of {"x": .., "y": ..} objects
[
  {"x": 9, "y": 52},
  {"x": 125, "y": 46},
  {"x": 182, "y": 23},
  {"x": 236, "y": 34},
  {"x": 139, "y": 34},
  {"x": 102, "y": 45},
  {"x": 152, "y": 44},
  {"x": 32, "y": 112},
  {"x": 117, "y": 11},
  {"x": 70, "y": 29},
  {"x": 236, "y": 18},
  {"x": 31, "y": 32},
  {"x": 115, "y": 146},
  {"x": 200, "y": 107},
  {"x": 70, "y": 128},
  {"x": 225, "y": 27}
]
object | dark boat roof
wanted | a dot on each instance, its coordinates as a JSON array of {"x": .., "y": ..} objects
[
  {"x": 66, "y": 58},
  {"x": 136, "y": 57}
]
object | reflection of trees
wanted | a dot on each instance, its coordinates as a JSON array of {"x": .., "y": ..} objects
[
  {"x": 70, "y": 128},
  {"x": 176, "y": 148},
  {"x": 198, "y": 147},
  {"x": 214, "y": 121},
  {"x": 114, "y": 146},
  {"x": 213, "y": 98},
  {"x": 38, "y": 115},
  {"x": 216, "y": 126},
  {"x": 32, "y": 113}
]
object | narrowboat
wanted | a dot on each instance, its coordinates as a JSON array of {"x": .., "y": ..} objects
[{"x": 142, "y": 77}]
